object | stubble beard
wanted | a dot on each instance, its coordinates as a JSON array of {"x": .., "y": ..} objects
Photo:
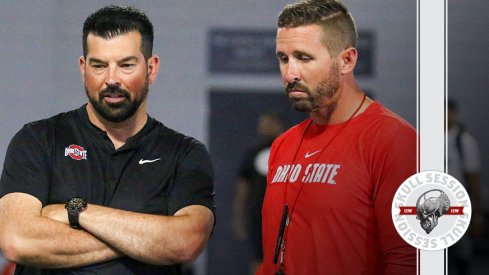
[{"x": 325, "y": 89}]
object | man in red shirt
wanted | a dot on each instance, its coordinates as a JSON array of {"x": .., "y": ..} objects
[{"x": 332, "y": 177}]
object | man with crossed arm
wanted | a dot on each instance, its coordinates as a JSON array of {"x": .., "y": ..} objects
[{"x": 105, "y": 188}]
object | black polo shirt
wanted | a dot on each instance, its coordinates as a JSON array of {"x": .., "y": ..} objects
[{"x": 157, "y": 171}]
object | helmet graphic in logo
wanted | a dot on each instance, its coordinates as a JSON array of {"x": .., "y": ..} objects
[{"x": 430, "y": 206}]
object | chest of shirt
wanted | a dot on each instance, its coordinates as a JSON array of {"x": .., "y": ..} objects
[
  {"x": 136, "y": 178},
  {"x": 338, "y": 167}
]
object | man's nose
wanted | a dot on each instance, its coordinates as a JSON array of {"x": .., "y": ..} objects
[
  {"x": 113, "y": 77},
  {"x": 291, "y": 73}
]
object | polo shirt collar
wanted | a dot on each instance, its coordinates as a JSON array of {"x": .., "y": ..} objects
[{"x": 132, "y": 142}]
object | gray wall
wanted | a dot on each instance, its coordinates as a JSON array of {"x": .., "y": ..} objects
[
  {"x": 468, "y": 67},
  {"x": 41, "y": 42}
]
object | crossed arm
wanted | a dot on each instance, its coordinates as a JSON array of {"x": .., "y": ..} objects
[{"x": 36, "y": 236}]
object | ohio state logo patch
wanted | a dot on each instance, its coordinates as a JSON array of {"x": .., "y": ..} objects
[
  {"x": 431, "y": 210},
  {"x": 76, "y": 152}
]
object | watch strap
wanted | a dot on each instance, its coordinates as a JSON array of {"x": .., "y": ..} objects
[
  {"x": 73, "y": 218},
  {"x": 74, "y": 207}
]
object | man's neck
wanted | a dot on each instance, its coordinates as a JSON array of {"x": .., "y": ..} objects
[
  {"x": 347, "y": 101},
  {"x": 119, "y": 132}
]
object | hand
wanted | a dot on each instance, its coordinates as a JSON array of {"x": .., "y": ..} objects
[{"x": 56, "y": 212}]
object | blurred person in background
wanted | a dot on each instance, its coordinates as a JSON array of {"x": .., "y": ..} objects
[
  {"x": 251, "y": 185},
  {"x": 464, "y": 164}
]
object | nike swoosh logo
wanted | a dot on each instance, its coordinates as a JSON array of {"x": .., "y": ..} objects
[
  {"x": 311, "y": 154},
  {"x": 143, "y": 161}
]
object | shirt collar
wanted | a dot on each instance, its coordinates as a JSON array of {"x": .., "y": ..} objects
[{"x": 132, "y": 142}]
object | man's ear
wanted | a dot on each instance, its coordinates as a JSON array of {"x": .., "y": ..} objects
[
  {"x": 348, "y": 60},
  {"x": 82, "y": 64},
  {"x": 153, "y": 68}
]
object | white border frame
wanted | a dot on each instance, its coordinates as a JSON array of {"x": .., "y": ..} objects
[{"x": 431, "y": 106}]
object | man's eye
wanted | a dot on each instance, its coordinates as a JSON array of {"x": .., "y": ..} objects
[
  {"x": 127, "y": 65},
  {"x": 98, "y": 67},
  {"x": 305, "y": 58},
  {"x": 282, "y": 59}
]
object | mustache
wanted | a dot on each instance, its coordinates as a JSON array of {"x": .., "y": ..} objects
[
  {"x": 115, "y": 90},
  {"x": 296, "y": 86}
]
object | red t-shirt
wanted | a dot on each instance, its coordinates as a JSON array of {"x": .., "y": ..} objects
[{"x": 341, "y": 221}]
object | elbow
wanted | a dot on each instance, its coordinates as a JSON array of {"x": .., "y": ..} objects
[
  {"x": 190, "y": 251},
  {"x": 12, "y": 249},
  {"x": 193, "y": 252},
  {"x": 19, "y": 250}
]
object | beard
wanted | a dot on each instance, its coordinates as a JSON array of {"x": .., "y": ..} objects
[
  {"x": 121, "y": 111},
  {"x": 325, "y": 89}
]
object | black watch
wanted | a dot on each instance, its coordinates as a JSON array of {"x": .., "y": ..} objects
[{"x": 74, "y": 207}]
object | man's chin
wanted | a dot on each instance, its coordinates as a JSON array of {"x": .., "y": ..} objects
[
  {"x": 112, "y": 112},
  {"x": 115, "y": 106},
  {"x": 302, "y": 106}
]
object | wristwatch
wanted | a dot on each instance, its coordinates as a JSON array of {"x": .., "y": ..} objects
[{"x": 74, "y": 207}]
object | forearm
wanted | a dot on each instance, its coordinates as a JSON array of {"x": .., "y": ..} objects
[
  {"x": 30, "y": 239},
  {"x": 58, "y": 248},
  {"x": 148, "y": 238}
]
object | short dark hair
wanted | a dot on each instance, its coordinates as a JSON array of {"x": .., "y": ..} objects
[
  {"x": 111, "y": 21},
  {"x": 337, "y": 23}
]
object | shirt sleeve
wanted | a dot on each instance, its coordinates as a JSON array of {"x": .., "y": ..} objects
[
  {"x": 395, "y": 162},
  {"x": 26, "y": 165},
  {"x": 193, "y": 179}
]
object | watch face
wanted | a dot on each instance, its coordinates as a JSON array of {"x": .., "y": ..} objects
[{"x": 77, "y": 203}]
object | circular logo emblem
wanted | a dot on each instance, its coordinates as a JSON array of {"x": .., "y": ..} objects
[
  {"x": 76, "y": 152},
  {"x": 431, "y": 210}
]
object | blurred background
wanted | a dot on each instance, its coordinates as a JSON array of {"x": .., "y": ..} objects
[
  {"x": 467, "y": 144},
  {"x": 218, "y": 73}
]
